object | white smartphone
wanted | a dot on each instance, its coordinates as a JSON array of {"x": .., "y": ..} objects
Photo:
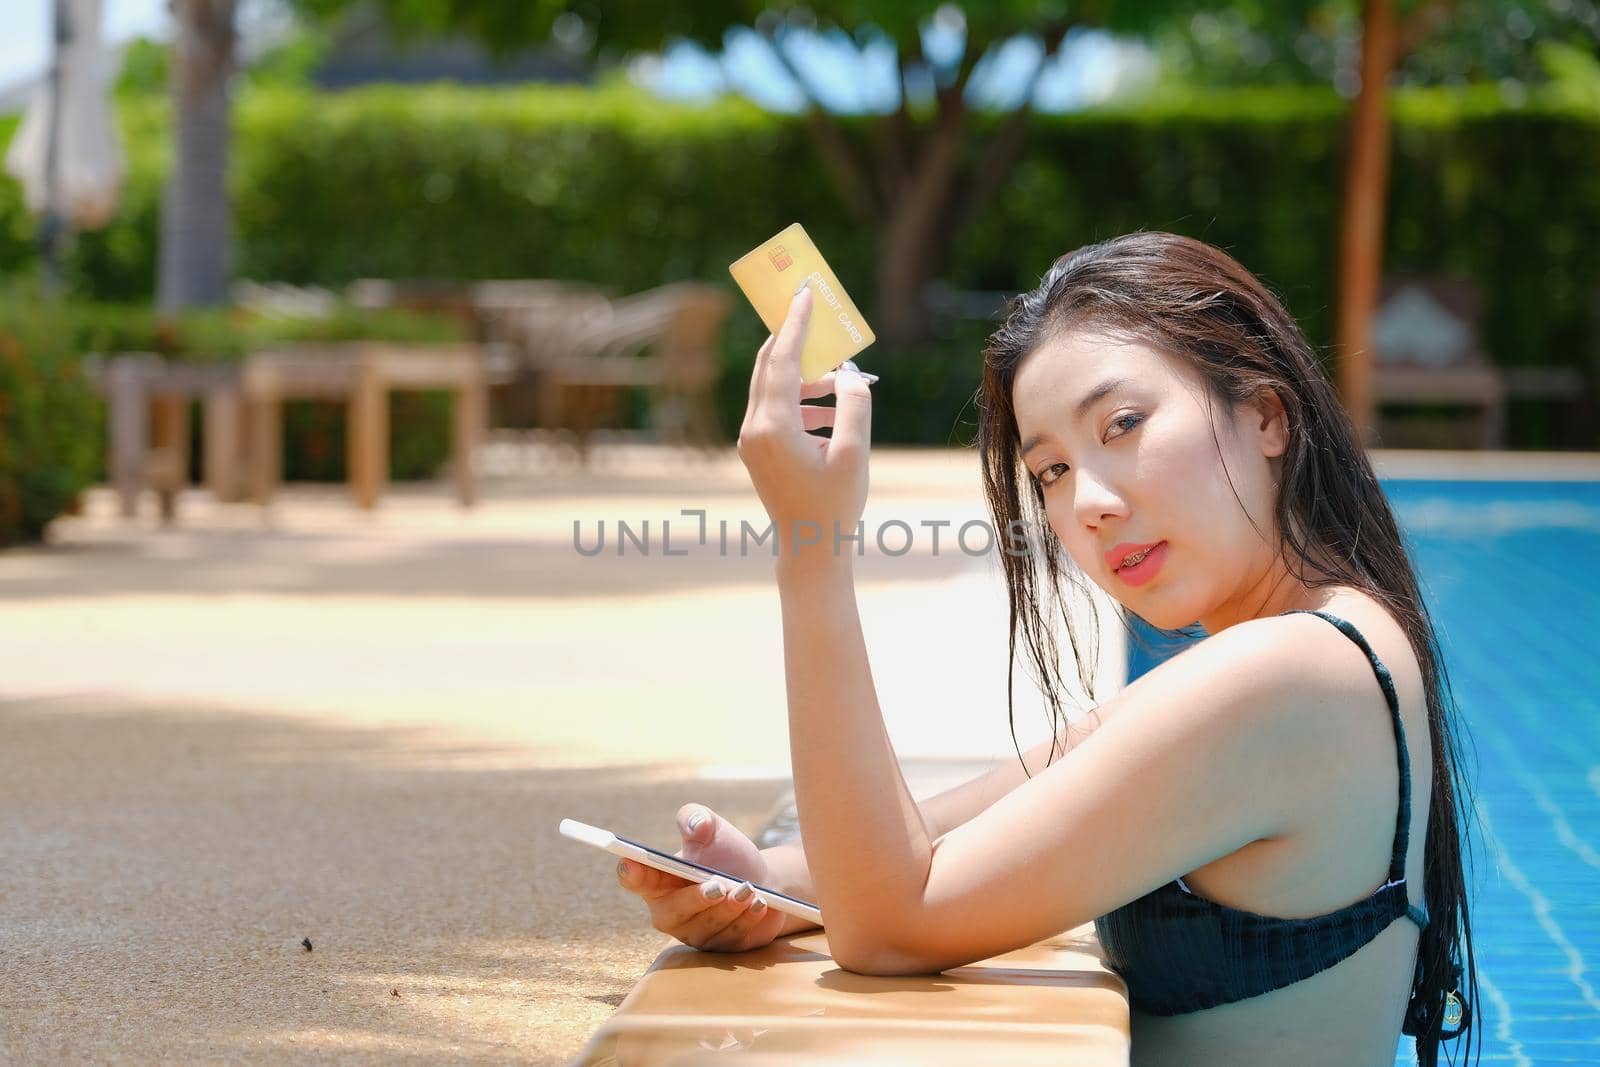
[{"x": 694, "y": 872}]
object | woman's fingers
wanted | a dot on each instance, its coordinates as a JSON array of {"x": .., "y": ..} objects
[
  {"x": 779, "y": 380},
  {"x": 814, "y": 417},
  {"x": 647, "y": 881},
  {"x": 740, "y": 934},
  {"x": 673, "y": 909},
  {"x": 823, "y": 386},
  {"x": 722, "y": 925},
  {"x": 686, "y": 909},
  {"x": 756, "y": 373},
  {"x": 707, "y": 915},
  {"x": 852, "y": 428},
  {"x": 672, "y": 900}
]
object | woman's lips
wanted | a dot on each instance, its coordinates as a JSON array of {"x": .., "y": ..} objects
[
  {"x": 1145, "y": 569},
  {"x": 1121, "y": 551}
]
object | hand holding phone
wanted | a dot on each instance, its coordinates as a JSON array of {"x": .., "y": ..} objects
[
  {"x": 687, "y": 869},
  {"x": 704, "y": 915}
]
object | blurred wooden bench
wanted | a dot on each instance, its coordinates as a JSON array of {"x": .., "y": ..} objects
[
  {"x": 363, "y": 373},
  {"x": 536, "y": 319},
  {"x": 579, "y": 349},
  {"x": 147, "y": 433},
  {"x": 667, "y": 340},
  {"x": 149, "y": 399},
  {"x": 444, "y": 297},
  {"x": 1425, "y": 336},
  {"x": 1428, "y": 351}
]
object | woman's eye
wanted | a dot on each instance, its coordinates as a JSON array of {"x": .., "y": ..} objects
[
  {"x": 1045, "y": 477},
  {"x": 1127, "y": 422}
]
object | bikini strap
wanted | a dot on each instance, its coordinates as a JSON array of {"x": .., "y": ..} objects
[{"x": 1402, "y": 832}]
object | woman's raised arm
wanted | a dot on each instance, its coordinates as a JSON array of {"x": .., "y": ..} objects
[{"x": 941, "y": 812}]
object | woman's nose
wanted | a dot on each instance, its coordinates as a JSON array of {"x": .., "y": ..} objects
[{"x": 1094, "y": 501}]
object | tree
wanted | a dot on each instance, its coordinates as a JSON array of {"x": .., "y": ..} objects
[
  {"x": 1464, "y": 41},
  {"x": 922, "y": 172},
  {"x": 1363, "y": 48},
  {"x": 195, "y": 216},
  {"x": 1389, "y": 33}
]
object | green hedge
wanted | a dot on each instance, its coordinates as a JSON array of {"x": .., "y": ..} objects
[
  {"x": 613, "y": 187},
  {"x": 49, "y": 419}
]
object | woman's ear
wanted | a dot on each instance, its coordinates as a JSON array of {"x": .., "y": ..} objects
[{"x": 1272, "y": 429}]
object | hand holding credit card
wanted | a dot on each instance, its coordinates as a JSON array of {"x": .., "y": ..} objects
[
  {"x": 814, "y": 488},
  {"x": 771, "y": 273}
]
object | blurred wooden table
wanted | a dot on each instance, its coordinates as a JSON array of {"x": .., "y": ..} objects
[
  {"x": 363, "y": 373},
  {"x": 1053, "y": 1002},
  {"x": 147, "y": 431}
]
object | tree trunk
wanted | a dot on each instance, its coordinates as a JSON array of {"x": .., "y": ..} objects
[
  {"x": 915, "y": 237},
  {"x": 195, "y": 217},
  {"x": 1366, "y": 188},
  {"x": 923, "y": 215},
  {"x": 908, "y": 192}
]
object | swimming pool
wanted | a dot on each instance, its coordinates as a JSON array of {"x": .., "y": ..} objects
[{"x": 1509, "y": 570}]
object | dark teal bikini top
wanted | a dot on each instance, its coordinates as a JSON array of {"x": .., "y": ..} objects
[{"x": 1179, "y": 952}]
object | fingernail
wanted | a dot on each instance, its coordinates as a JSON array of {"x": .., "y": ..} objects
[
  {"x": 849, "y": 367},
  {"x": 712, "y": 891},
  {"x": 743, "y": 892},
  {"x": 799, "y": 287},
  {"x": 695, "y": 820},
  {"x": 758, "y": 907},
  {"x": 622, "y": 870}
]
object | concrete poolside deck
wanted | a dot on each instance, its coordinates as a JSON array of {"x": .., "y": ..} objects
[{"x": 220, "y": 739}]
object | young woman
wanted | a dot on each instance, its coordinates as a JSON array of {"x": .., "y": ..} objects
[{"x": 1267, "y": 827}]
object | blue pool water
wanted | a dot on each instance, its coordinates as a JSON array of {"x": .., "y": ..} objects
[{"x": 1511, "y": 573}]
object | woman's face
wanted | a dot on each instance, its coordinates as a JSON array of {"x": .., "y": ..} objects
[{"x": 1119, "y": 437}]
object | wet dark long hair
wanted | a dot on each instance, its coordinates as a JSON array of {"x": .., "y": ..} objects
[{"x": 1193, "y": 301}]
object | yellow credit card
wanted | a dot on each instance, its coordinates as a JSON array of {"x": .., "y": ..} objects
[{"x": 772, "y": 273}]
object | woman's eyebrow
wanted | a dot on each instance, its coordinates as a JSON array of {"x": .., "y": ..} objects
[{"x": 1095, "y": 395}]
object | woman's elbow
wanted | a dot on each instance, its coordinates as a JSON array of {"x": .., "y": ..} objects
[{"x": 880, "y": 960}]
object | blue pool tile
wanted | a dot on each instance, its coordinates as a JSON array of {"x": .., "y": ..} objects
[{"x": 1520, "y": 627}]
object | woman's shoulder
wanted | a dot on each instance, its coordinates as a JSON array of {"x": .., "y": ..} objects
[
  {"x": 1284, "y": 671},
  {"x": 1322, "y": 673},
  {"x": 1303, "y": 664},
  {"x": 1300, "y": 640},
  {"x": 1278, "y": 706},
  {"x": 1382, "y": 631},
  {"x": 1332, "y": 730}
]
